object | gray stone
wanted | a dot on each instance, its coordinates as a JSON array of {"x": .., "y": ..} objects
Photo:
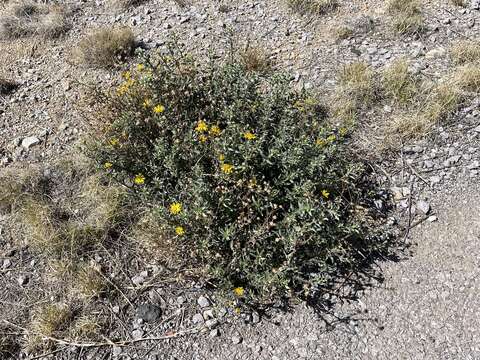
[
  {"x": 30, "y": 141},
  {"x": 215, "y": 333},
  {"x": 198, "y": 319},
  {"x": 212, "y": 323},
  {"x": 203, "y": 302},
  {"x": 149, "y": 312},
  {"x": 237, "y": 339},
  {"x": 423, "y": 206},
  {"x": 22, "y": 280}
]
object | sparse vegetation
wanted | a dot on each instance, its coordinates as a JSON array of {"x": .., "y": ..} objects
[
  {"x": 465, "y": 51},
  {"x": 254, "y": 58},
  {"x": 398, "y": 83},
  {"x": 343, "y": 32},
  {"x": 125, "y": 4},
  {"x": 26, "y": 18},
  {"x": 105, "y": 48},
  {"x": 313, "y": 7},
  {"x": 48, "y": 321},
  {"x": 357, "y": 89},
  {"x": 237, "y": 169},
  {"x": 407, "y": 16},
  {"x": 461, "y": 3}
]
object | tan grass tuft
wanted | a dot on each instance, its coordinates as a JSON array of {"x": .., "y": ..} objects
[
  {"x": 407, "y": 16},
  {"x": 398, "y": 83},
  {"x": 51, "y": 320},
  {"x": 312, "y": 7},
  {"x": 158, "y": 241},
  {"x": 105, "y": 48},
  {"x": 255, "y": 58},
  {"x": 465, "y": 51},
  {"x": 26, "y": 18}
]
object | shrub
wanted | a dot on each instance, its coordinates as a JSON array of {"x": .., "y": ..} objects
[
  {"x": 240, "y": 172},
  {"x": 314, "y": 7},
  {"x": 26, "y": 18},
  {"x": 105, "y": 48}
]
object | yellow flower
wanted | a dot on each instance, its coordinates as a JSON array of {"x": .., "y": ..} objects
[
  {"x": 321, "y": 142},
  {"x": 147, "y": 103},
  {"x": 140, "y": 67},
  {"x": 175, "y": 208},
  {"x": 331, "y": 138},
  {"x": 343, "y": 131},
  {"x": 215, "y": 130},
  {"x": 114, "y": 141},
  {"x": 179, "y": 230},
  {"x": 203, "y": 138},
  {"x": 221, "y": 157},
  {"x": 159, "y": 109},
  {"x": 325, "y": 194},
  {"x": 201, "y": 126},
  {"x": 227, "y": 168},
  {"x": 249, "y": 136},
  {"x": 239, "y": 291},
  {"x": 139, "y": 179},
  {"x": 237, "y": 310},
  {"x": 127, "y": 75},
  {"x": 108, "y": 165}
]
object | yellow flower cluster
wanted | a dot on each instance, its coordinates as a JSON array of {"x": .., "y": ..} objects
[
  {"x": 125, "y": 87},
  {"x": 179, "y": 230},
  {"x": 108, "y": 165},
  {"x": 175, "y": 208},
  {"x": 139, "y": 179},
  {"x": 202, "y": 129},
  {"x": 325, "y": 194},
  {"x": 226, "y": 168},
  {"x": 239, "y": 291},
  {"x": 249, "y": 136}
]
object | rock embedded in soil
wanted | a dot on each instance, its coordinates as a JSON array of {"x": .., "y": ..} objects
[
  {"x": 203, "y": 302},
  {"x": 149, "y": 312},
  {"x": 30, "y": 141}
]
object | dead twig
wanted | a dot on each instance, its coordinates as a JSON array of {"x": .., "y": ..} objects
[{"x": 108, "y": 342}]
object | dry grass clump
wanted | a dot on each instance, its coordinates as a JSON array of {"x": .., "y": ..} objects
[
  {"x": 398, "y": 83},
  {"x": 157, "y": 240},
  {"x": 358, "y": 81},
  {"x": 85, "y": 328},
  {"x": 444, "y": 99},
  {"x": 467, "y": 78},
  {"x": 407, "y": 16},
  {"x": 458, "y": 2},
  {"x": 465, "y": 51},
  {"x": 357, "y": 90},
  {"x": 26, "y": 18},
  {"x": 48, "y": 321},
  {"x": 125, "y": 4},
  {"x": 313, "y": 7},
  {"x": 343, "y": 32},
  {"x": 89, "y": 282},
  {"x": 17, "y": 184},
  {"x": 255, "y": 58},
  {"x": 105, "y": 48}
]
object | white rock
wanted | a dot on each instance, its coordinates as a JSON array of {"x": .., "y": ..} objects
[{"x": 30, "y": 141}]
